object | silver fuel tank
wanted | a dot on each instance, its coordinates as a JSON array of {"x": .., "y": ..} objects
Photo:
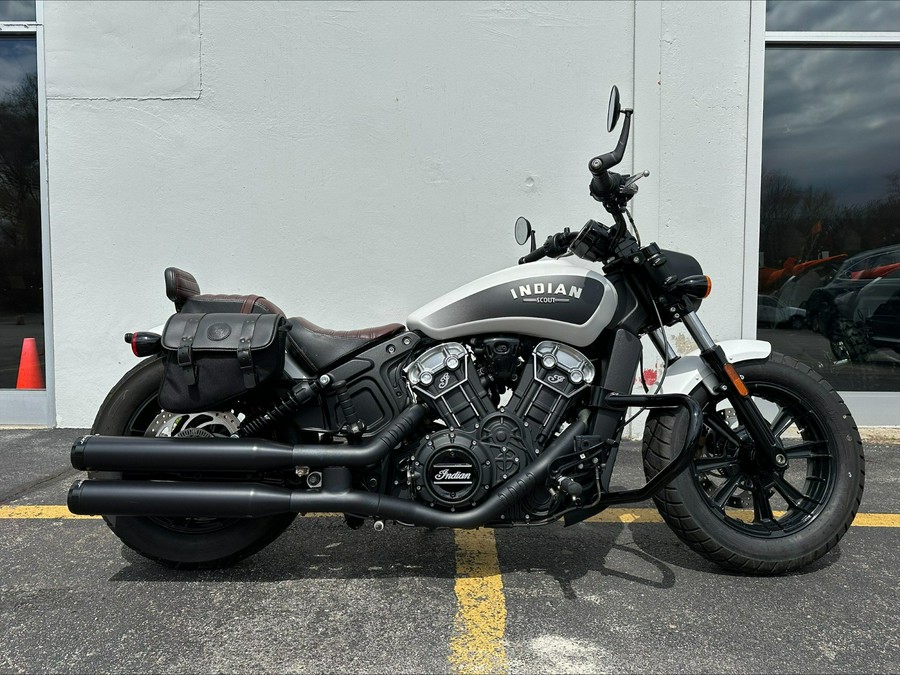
[{"x": 551, "y": 299}]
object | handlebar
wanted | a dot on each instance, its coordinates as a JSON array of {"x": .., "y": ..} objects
[
  {"x": 555, "y": 246},
  {"x": 536, "y": 254}
]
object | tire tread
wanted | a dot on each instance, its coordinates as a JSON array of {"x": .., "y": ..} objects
[{"x": 659, "y": 438}]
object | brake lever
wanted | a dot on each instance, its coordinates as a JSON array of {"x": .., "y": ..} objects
[{"x": 631, "y": 180}]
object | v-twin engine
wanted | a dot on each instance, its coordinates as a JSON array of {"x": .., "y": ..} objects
[{"x": 483, "y": 444}]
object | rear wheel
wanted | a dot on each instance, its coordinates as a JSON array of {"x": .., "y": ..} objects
[
  {"x": 737, "y": 511},
  {"x": 848, "y": 341},
  {"x": 132, "y": 409}
]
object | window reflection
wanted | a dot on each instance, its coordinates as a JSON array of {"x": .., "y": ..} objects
[
  {"x": 17, "y": 10},
  {"x": 21, "y": 277},
  {"x": 833, "y": 15},
  {"x": 829, "y": 277}
]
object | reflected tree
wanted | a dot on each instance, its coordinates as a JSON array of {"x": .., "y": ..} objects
[
  {"x": 805, "y": 222},
  {"x": 20, "y": 210}
]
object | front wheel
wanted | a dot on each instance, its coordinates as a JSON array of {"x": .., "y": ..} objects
[
  {"x": 742, "y": 514},
  {"x": 132, "y": 409}
]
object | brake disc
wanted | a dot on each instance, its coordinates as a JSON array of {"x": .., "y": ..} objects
[{"x": 214, "y": 423}]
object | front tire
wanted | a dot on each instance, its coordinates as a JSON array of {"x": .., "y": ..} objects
[
  {"x": 182, "y": 543},
  {"x": 734, "y": 510}
]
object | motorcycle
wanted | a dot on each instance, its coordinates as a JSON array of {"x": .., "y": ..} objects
[{"x": 500, "y": 404}]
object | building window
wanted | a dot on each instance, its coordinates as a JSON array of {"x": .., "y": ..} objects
[
  {"x": 21, "y": 269},
  {"x": 829, "y": 277}
]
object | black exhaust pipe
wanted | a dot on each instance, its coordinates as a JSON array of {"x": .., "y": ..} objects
[
  {"x": 138, "y": 453},
  {"x": 250, "y": 500}
]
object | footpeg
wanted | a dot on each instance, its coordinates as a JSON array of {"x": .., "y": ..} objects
[{"x": 571, "y": 486}]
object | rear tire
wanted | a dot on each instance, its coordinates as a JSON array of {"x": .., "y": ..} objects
[
  {"x": 182, "y": 543},
  {"x": 848, "y": 341},
  {"x": 741, "y": 515}
]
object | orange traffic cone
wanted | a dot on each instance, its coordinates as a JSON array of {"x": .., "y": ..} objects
[{"x": 29, "y": 367}]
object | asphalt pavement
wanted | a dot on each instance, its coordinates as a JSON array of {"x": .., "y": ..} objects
[{"x": 617, "y": 596}]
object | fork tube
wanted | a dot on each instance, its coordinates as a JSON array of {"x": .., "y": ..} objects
[
  {"x": 698, "y": 331},
  {"x": 659, "y": 340},
  {"x": 768, "y": 448}
]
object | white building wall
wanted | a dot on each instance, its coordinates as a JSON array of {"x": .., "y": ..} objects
[
  {"x": 702, "y": 177},
  {"x": 353, "y": 161}
]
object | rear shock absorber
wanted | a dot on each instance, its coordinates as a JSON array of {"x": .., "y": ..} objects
[{"x": 296, "y": 398}]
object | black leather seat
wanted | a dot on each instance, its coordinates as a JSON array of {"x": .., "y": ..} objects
[{"x": 318, "y": 348}]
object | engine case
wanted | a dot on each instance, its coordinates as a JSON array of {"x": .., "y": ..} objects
[{"x": 482, "y": 446}]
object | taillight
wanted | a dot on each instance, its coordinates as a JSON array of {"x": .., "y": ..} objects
[{"x": 143, "y": 343}]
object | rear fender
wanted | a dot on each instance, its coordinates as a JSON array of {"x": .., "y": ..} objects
[{"x": 687, "y": 372}]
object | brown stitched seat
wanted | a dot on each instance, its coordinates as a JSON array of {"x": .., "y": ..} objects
[
  {"x": 318, "y": 348},
  {"x": 243, "y": 304},
  {"x": 182, "y": 289}
]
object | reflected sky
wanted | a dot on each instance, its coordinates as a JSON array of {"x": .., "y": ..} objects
[
  {"x": 832, "y": 118},
  {"x": 18, "y": 58},
  {"x": 840, "y": 15},
  {"x": 17, "y": 10}
]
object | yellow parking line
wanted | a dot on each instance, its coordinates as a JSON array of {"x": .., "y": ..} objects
[
  {"x": 480, "y": 622},
  {"x": 626, "y": 516},
  {"x": 56, "y": 511},
  {"x": 38, "y": 511},
  {"x": 60, "y": 511},
  {"x": 877, "y": 520},
  {"x": 652, "y": 516}
]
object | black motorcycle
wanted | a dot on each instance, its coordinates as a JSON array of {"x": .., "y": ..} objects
[{"x": 501, "y": 403}]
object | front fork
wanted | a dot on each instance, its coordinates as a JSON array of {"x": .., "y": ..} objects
[{"x": 762, "y": 443}]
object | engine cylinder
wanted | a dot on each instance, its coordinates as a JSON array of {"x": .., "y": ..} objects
[{"x": 446, "y": 375}]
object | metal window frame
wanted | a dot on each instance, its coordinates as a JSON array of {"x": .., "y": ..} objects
[
  {"x": 868, "y": 408},
  {"x": 36, "y": 407}
]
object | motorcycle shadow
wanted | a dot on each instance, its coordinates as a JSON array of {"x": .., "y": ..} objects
[
  {"x": 648, "y": 555},
  {"x": 325, "y": 548},
  {"x": 661, "y": 544}
]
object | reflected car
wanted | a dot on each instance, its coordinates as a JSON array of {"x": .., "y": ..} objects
[
  {"x": 771, "y": 312},
  {"x": 859, "y": 309}
]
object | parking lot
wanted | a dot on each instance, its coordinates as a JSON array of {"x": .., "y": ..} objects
[{"x": 620, "y": 594}]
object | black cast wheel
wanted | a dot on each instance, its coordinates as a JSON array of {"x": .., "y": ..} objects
[
  {"x": 734, "y": 508},
  {"x": 132, "y": 409}
]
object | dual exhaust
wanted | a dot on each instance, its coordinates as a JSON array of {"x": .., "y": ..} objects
[{"x": 232, "y": 499}]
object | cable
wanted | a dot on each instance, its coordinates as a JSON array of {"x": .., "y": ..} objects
[{"x": 665, "y": 370}]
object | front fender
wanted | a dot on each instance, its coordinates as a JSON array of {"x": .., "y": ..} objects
[{"x": 687, "y": 372}]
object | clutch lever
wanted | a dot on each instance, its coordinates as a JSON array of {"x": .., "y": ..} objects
[{"x": 631, "y": 180}]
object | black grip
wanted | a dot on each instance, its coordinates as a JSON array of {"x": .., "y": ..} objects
[
  {"x": 536, "y": 254},
  {"x": 601, "y": 185}
]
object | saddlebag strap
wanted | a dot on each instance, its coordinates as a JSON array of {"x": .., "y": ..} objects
[
  {"x": 244, "y": 355},
  {"x": 185, "y": 355},
  {"x": 249, "y": 301}
]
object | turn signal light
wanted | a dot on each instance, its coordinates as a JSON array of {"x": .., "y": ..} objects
[
  {"x": 143, "y": 343},
  {"x": 697, "y": 286},
  {"x": 736, "y": 380}
]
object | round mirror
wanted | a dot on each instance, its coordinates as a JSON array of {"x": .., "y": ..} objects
[
  {"x": 612, "y": 114},
  {"x": 523, "y": 231}
]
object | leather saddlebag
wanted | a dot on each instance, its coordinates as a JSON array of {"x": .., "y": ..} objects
[{"x": 214, "y": 358}]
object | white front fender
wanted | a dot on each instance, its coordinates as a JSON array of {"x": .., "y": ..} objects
[{"x": 687, "y": 372}]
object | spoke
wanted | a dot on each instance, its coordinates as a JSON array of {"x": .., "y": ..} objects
[
  {"x": 807, "y": 451},
  {"x": 712, "y": 463},
  {"x": 727, "y": 489},
  {"x": 762, "y": 508},
  {"x": 781, "y": 423},
  {"x": 717, "y": 425},
  {"x": 791, "y": 495}
]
